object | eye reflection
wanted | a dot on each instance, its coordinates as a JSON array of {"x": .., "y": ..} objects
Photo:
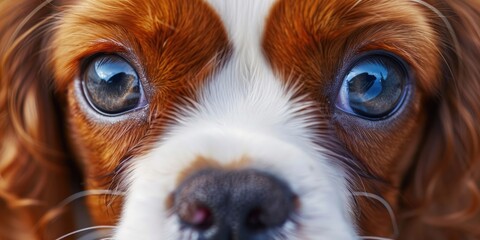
[
  {"x": 374, "y": 87},
  {"x": 112, "y": 86}
]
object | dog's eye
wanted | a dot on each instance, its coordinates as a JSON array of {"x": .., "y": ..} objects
[
  {"x": 374, "y": 87},
  {"x": 111, "y": 85}
]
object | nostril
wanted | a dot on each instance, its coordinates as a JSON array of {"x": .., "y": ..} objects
[
  {"x": 255, "y": 220},
  {"x": 196, "y": 215},
  {"x": 274, "y": 212}
]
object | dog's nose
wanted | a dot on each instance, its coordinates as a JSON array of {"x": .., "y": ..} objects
[{"x": 243, "y": 204}]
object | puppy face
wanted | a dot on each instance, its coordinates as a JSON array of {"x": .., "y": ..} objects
[
  {"x": 275, "y": 119},
  {"x": 271, "y": 89}
]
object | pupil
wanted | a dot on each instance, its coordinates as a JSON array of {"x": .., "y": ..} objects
[
  {"x": 119, "y": 84},
  {"x": 364, "y": 87}
]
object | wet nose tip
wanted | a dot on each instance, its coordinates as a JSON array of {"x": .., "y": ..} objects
[{"x": 240, "y": 203}]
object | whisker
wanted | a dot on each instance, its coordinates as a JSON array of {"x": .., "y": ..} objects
[
  {"x": 97, "y": 234},
  {"x": 387, "y": 206},
  {"x": 86, "y": 229},
  {"x": 55, "y": 212},
  {"x": 448, "y": 25},
  {"x": 374, "y": 238},
  {"x": 86, "y": 193},
  {"x": 444, "y": 19}
]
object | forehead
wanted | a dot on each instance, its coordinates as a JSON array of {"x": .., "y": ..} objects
[
  {"x": 313, "y": 39},
  {"x": 310, "y": 38}
]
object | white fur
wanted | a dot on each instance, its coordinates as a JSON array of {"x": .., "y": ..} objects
[{"x": 244, "y": 111}]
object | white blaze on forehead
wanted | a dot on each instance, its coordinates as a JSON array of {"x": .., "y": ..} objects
[
  {"x": 244, "y": 110},
  {"x": 246, "y": 94},
  {"x": 244, "y": 21}
]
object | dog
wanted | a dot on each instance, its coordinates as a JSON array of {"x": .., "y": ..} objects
[{"x": 240, "y": 119}]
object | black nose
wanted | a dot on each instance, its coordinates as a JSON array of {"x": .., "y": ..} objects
[{"x": 228, "y": 205}]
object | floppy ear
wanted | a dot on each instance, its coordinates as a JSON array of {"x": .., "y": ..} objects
[
  {"x": 33, "y": 171},
  {"x": 442, "y": 197}
]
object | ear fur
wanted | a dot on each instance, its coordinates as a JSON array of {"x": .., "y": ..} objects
[
  {"x": 33, "y": 172},
  {"x": 442, "y": 197}
]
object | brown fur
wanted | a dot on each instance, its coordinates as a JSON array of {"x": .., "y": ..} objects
[
  {"x": 437, "y": 197},
  {"x": 176, "y": 52},
  {"x": 40, "y": 62},
  {"x": 32, "y": 155},
  {"x": 427, "y": 158}
]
